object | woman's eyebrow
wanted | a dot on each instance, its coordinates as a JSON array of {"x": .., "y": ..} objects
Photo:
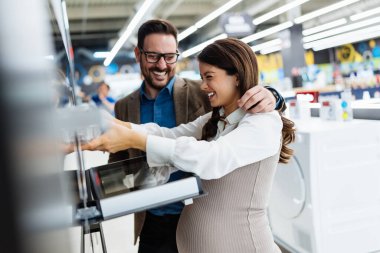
[{"x": 208, "y": 72}]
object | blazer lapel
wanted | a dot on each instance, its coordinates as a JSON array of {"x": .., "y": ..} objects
[
  {"x": 133, "y": 111},
  {"x": 180, "y": 93},
  {"x": 133, "y": 107}
]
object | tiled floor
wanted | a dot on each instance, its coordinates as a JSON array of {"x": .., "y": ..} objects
[{"x": 118, "y": 235}]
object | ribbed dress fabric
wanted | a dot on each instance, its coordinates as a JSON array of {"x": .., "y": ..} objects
[{"x": 232, "y": 218}]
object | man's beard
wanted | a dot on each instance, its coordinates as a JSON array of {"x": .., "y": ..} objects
[{"x": 149, "y": 80}]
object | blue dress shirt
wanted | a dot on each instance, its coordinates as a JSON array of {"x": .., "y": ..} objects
[{"x": 161, "y": 111}]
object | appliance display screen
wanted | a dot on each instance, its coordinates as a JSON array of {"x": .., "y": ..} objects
[{"x": 119, "y": 177}]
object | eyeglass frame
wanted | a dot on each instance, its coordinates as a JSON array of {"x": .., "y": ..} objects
[{"x": 159, "y": 56}]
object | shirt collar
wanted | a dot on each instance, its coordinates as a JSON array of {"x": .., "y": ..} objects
[
  {"x": 168, "y": 87},
  {"x": 234, "y": 117}
]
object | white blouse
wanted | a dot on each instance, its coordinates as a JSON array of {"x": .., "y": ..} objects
[{"x": 243, "y": 139}]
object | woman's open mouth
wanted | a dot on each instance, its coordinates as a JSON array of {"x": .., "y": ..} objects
[{"x": 210, "y": 94}]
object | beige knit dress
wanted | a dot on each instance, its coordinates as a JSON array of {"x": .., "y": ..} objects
[{"x": 232, "y": 218}]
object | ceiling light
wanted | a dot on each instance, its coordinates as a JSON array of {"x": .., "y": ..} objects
[
  {"x": 199, "y": 47},
  {"x": 278, "y": 11},
  {"x": 365, "y": 14},
  {"x": 323, "y": 10},
  {"x": 323, "y": 27},
  {"x": 100, "y": 54},
  {"x": 267, "y": 32},
  {"x": 217, "y": 13},
  {"x": 349, "y": 37},
  {"x": 271, "y": 50},
  {"x": 208, "y": 18},
  {"x": 342, "y": 29},
  {"x": 362, "y": 37},
  {"x": 267, "y": 44},
  {"x": 186, "y": 32},
  {"x": 131, "y": 27}
]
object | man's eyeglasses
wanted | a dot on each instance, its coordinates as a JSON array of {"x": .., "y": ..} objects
[{"x": 153, "y": 57}]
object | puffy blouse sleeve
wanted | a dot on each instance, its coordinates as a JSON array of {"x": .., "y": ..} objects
[
  {"x": 193, "y": 128},
  {"x": 257, "y": 136}
]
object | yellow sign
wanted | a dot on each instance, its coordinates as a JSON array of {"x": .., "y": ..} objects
[
  {"x": 309, "y": 57},
  {"x": 270, "y": 62},
  {"x": 346, "y": 53}
]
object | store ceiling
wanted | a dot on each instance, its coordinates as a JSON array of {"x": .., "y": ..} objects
[{"x": 96, "y": 24}]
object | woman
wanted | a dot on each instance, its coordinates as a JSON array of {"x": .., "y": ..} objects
[{"x": 235, "y": 154}]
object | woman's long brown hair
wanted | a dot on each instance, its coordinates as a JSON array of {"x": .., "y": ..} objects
[{"x": 237, "y": 58}]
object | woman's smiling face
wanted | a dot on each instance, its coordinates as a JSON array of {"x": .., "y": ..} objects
[{"x": 220, "y": 87}]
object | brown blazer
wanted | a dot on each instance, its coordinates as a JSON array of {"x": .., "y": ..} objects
[{"x": 189, "y": 102}]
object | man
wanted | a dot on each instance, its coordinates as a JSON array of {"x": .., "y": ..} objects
[
  {"x": 168, "y": 101},
  {"x": 101, "y": 99}
]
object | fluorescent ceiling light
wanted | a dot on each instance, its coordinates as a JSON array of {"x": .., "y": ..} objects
[
  {"x": 267, "y": 44},
  {"x": 324, "y": 10},
  {"x": 131, "y": 27},
  {"x": 365, "y": 14},
  {"x": 323, "y": 27},
  {"x": 199, "y": 47},
  {"x": 271, "y": 50},
  {"x": 347, "y": 41},
  {"x": 341, "y": 39},
  {"x": 341, "y": 29},
  {"x": 186, "y": 32},
  {"x": 267, "y": 32},
  {"x": 101, "y": 54},
  {"x": 208, "y": 18},
  {"x": 217, "y": 13},
  {"x": 278, "y": 11}
]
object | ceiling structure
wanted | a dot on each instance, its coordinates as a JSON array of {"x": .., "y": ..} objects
[{"x": 97, "y": 24}]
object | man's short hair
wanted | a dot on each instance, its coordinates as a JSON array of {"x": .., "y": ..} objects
[
  {"x": 103, "y": 83},
  {"x": 155, "y": 26}
]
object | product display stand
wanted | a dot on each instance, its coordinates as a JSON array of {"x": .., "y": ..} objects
[{"x": 122, "y": 188}]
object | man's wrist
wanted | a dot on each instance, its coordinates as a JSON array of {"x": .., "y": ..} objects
[{"x": 277, "y": 96}]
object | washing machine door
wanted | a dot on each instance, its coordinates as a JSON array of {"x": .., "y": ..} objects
[{"x": 288, "y": 192}]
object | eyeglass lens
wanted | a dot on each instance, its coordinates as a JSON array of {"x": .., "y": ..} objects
[{"x": 155, "y": 57}]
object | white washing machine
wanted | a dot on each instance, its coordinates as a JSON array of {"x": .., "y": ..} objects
[{"x": 327, "y": 199}]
